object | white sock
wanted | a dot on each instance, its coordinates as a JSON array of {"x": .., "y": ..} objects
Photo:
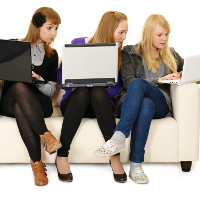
[
  {"x": 118, "y": 137},
  {"x": 133, "y": 165}
]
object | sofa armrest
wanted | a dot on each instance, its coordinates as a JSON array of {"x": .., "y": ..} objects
[{"x": 185, "y": 104}]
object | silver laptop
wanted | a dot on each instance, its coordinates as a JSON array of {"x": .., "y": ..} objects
[
  {"x": 88, "y": 65},
  {"x": 190, "y": 73}
]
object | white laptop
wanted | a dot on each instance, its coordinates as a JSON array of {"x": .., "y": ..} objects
[
  {"x": 190, "y": 73},
  {"x": 90, "y": 64}
]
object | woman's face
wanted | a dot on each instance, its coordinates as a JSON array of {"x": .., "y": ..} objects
[
  {"x": 120, "y": 32},
  {"x": 48, "y": 32},
  {"x": 160, "y": 37}
]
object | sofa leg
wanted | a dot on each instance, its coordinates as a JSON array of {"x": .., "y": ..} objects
[{"x": 186, "y": 166}]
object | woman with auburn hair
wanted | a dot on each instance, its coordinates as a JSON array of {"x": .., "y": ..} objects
[
  {"x": 31, "y": 103},
  {"x": 92, "y": 102},
  {"x": 143, "y": 66}
]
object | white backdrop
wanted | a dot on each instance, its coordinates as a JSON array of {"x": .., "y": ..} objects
[
  {"x": 95, "y": 181},
  {"x": 81, "y": 17}
]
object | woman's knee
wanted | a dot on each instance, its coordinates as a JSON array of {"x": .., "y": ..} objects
[
  {"x": 82, "y": 93},
  {"x": 99, "y": 94},
  {"x": 14, "y": 110},
  {"x": 80, "y": 97},
  {"x": 97, "y": 90},
  {"x": 19, "y": 86},
  {"x": 148, "y": 105},
  {"x": 138, "y": 82},
  {"x": 17, "y": 109}
]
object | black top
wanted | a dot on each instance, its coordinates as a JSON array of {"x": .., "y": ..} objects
[{"x": 48, "y": 69}]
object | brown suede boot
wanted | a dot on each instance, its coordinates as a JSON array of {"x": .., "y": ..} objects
[
  {"x": 39, "y": 173},
  {"x": 50, "y": 143}
]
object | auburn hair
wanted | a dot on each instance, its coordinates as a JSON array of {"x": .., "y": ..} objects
[
  {"x": 106, "y": 29},
  {"x": 33, "y": 33},
  {"x": 146, "y": 45}
]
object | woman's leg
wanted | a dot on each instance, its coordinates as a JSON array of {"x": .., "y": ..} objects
[
  {"x": 139, "y": 136},
  {"x": 103, "y": 108},
  {"x": 29, "y": 105},
  {"x": 29, "y": 137},
  {"x": 131, "y": 107},
  {"x": 73, "y": 109},
  {"x": 136, "y": 92},
  {"x": 18, "y": 100},
  {"x": 140, "y": 131},
  {"x": 149, "y": 109},
  {"x": 32, "y": 110}
]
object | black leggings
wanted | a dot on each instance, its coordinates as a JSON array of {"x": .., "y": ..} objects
[
  {"x": 88, "y": 103},
  {"x": 29, "y": 106}
]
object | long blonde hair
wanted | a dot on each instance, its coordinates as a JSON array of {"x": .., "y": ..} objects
[
  {"x": 146, "y": 44},
  {"x": 106, "y": 28},
  {"x": 33, "y": 33}
]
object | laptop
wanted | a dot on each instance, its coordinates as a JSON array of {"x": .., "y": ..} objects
[
  {"x": 89, "y": 65},
  {"x": 190, "y": 73},
  {"x": 16, "y": 62}
]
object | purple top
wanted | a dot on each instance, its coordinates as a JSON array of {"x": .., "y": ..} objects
[
  {"x": 78, "y": 40},
  {"x": 110, "y": 90}
]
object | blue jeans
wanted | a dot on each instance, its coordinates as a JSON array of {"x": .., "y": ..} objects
[{"x": 143, "y": 102}]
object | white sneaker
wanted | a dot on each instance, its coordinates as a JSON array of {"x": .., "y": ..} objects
[
  {"x": 110, "y": 148},
  {"x": 138, "y": 176}
]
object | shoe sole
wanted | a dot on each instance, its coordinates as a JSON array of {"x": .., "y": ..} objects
[
  {"x": 139, "y": 182},
  {"x": 120, "y": 181},
  {"x": 55, "y": 148},
  {"x": 41, "y": 184},
  {"x": 65, "y": 180},
  {"x": 101, "y": 155}
]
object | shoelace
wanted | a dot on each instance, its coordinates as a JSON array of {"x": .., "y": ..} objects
[{"x": 44, "y": 142}]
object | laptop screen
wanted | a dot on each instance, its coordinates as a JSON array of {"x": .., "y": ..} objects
[
  {"x": 15, "y": 61},
  {"x": 93, "y": 64}
]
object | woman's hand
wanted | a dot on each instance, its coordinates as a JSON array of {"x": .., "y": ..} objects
[
  {"x": 35, "y": 76},
  {"x": 173, "y": 76}
]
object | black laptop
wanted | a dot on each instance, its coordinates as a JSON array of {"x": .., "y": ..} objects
[{"x": 15, "y": 61}]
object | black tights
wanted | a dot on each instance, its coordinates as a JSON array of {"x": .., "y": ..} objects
[
  {"x": 20, "y": 102},
  {"x": 89, "y": 103}
]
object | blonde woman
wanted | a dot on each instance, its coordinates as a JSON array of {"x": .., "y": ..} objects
[
  {"x": 95, "y": 102},
  {"x": 30, "y": 103},
  {"x": 143, "y": 65}
]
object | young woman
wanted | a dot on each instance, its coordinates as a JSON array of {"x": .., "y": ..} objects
[
  {"x": 93, "y": 102},
  {"x": 30, "y": 103},
  {"x": 143, "y": 65}
]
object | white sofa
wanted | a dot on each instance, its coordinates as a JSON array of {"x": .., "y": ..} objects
[{"x": 170, "y": 139}]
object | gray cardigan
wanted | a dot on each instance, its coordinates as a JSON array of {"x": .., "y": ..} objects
[
  {"x": 132, "y": 65},
  {"x": 132, "y": 68}
]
